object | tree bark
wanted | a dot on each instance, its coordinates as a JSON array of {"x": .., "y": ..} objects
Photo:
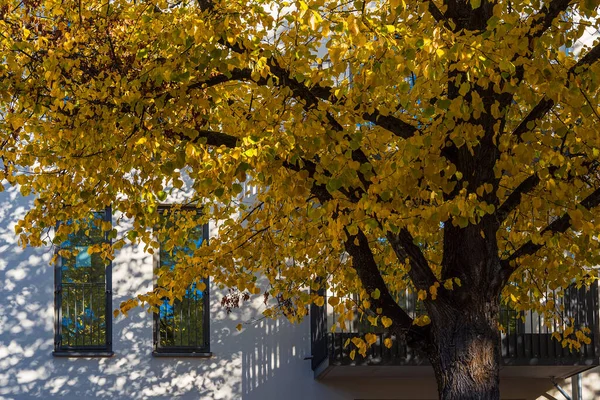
[{"x": 465, "y": 351}]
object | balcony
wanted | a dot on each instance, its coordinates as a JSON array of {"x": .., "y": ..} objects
[{"x": 527, "y": 346}]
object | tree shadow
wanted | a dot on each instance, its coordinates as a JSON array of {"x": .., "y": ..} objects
[{"x": 265, "y": 356}]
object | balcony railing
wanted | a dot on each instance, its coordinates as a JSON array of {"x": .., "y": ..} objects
[{"x": 526, "y": 340}]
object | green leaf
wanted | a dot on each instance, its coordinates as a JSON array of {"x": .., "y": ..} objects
[
  {"x": 236, "y": 188},
  {"x": 475, "y": 4},
  {"x": 161, "y": 195},
  {"x": 219, "y": 191},
  {"x": 333, "y": 185},
  {"x": 444, "y": 104},
  {"x": 428, "y": 112}
]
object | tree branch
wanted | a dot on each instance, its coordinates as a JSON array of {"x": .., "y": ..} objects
[
  {"x": 357, "y": 246},
  {"x": 514, "y": 199},
  {"x": 543, "y": 19},
  {"x": 560, "y": 225},
  {"x": 546, "y": 104},
  {"x": 368, "y": 272},
  {"x": 206, "y": 5},
  {"x": 213, "y": 138},
  {"x": 527, "y": 186},
  {"x": 404, "y": 246},
  {"x": 392, "y": 124},
  {"x": 435, "y": 12},
  {"x": 312, "y": 94}
]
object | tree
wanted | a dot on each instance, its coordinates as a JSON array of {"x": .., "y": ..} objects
[{"x": 447, "y": 147}]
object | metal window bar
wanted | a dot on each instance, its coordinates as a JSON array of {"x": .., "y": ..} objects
[
  {"x": 184, "y": 326},
  {"x": 82, "y": 307}
]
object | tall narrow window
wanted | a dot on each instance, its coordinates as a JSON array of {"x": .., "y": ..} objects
[
  {"x": 83, "y": 319},
  {"x": 181, "y": 327}
]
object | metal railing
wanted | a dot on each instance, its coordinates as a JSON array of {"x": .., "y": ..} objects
[
  {"x": 82, "y": 322},
  {"x": 526, "y": 340},
  {"x": 83, "y": 293},
  {"x": 182, "y": 326}
]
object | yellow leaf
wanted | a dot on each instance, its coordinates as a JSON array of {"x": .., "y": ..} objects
[
  {"x": 319, "y": 301},
  {"x": 422, "y": 320},
  {"x": 352, "y": 354},
  {"x": 238, "y": 327},
  {"x": 388, "y": 343},
  {"x": 370, "y": 338},
  {"x": 387, "y": 322},
  {"x": 448, "y": 284},
  {"x": 433, "y": 290}
]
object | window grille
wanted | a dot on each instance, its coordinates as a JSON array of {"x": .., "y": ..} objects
[
  {"x": 181, "y": 327},
  {"x": 82, "y": 292}
]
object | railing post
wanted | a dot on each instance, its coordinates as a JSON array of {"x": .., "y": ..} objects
[
  {"x": 594, "y": 295},
  {"x": 318, "y": 331}
]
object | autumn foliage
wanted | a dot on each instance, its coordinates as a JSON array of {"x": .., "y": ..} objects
[{"x": 446, "y": 147}]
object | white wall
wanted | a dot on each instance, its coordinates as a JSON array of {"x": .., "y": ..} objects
[{"x": 266, "y": 354}]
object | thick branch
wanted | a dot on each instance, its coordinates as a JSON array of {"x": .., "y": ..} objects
[
  {"x": 435, "y": 12},
  {"x": 546, "y": 104},
  {"x": 206, "y": 5},
  {"x": 542, "y": 21},
  {"x": 391, "y": 124},
  {"x": 466, "y": 17},
  {"x": 368, "y": 272},
  {"x": 527, "y": 186},
  {"x": 311, "y": 94},
  {"x": 404, "y": 246},
  {"x": 560, "y": 225},
  {"x": 213, "y": 138},
  {"x": 514, "y": 199}
]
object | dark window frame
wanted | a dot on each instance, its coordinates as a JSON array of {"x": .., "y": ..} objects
[
  {"x": 183, "y": 351},
  {"x": 83, "y": 351}
]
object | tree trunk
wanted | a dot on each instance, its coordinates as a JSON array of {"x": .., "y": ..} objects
[{"x": 466, "y": 352}]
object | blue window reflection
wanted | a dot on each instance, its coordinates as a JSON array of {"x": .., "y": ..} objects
[
  {"x": 180, "y": 324},
  {"x": 83, "y": 294}
]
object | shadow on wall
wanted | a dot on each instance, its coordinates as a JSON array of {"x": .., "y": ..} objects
[
  {"x": 265, "y": 358},
  {"x": 590, "y": 385}
]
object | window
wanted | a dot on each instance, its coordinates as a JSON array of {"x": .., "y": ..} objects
[
  {"x": 181, "y": 327},
  {"x": 82, "y": 293}
]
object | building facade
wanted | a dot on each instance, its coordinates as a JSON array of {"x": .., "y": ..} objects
[{"x": 266, "y": 360}]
